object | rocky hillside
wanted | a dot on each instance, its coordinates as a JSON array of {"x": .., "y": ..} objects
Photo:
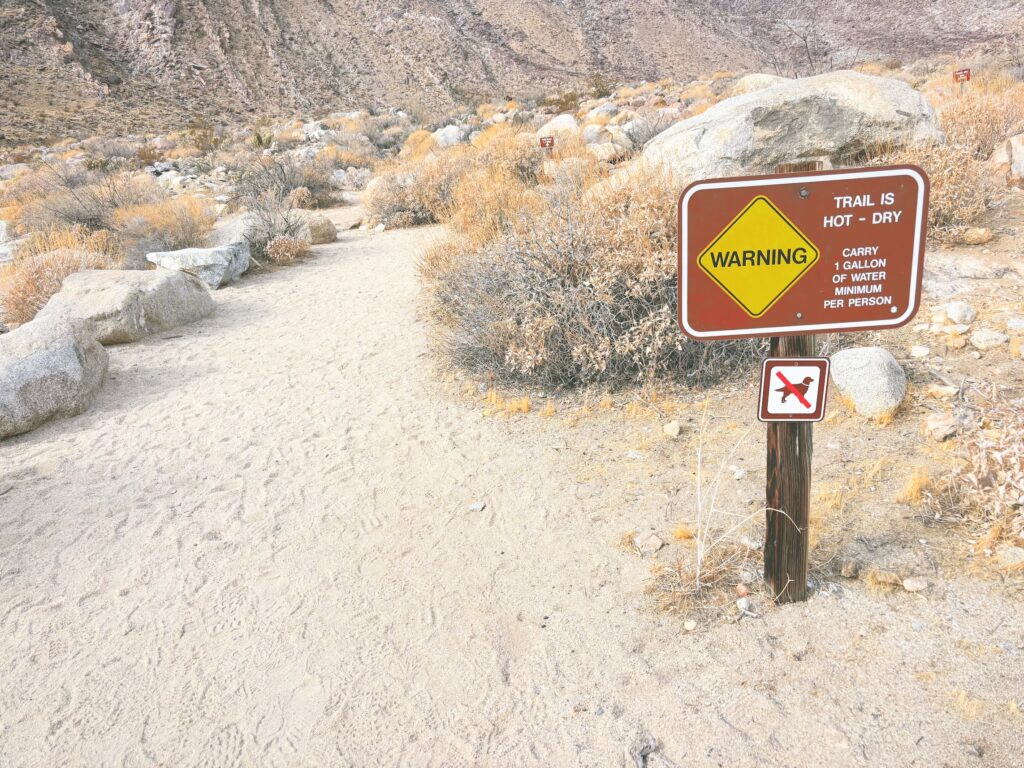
[{"x": 75, "y": 65}]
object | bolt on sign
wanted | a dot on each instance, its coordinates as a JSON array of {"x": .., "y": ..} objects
[
  {"x": 801, "y": 253},
  {"x": 793, "y": 389},
  {"x": 547, "y": 142},
  {"x": 962, "y": 76}
]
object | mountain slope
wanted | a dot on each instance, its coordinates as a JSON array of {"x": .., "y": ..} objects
[{"x": 72, "y": 65}]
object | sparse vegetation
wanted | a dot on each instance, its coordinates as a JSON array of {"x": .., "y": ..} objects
[
  {"x": 42, "y": 263},
  {"x": 986, "y": 487},
  {"x": 284, "y": 250}
]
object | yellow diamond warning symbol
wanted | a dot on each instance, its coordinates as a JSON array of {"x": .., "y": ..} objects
[{"x": 758, "y": 257}]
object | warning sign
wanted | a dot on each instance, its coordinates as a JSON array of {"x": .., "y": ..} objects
[
  {"x": 793, "y": 389},
  {"x": 802, "y": 253},
  {"x": 757, "y": 277},
  {"x": 961, "y": 76}
]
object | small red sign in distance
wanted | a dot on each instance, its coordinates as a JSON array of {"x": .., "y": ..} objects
[
  {"x": 547, "y": 142},
  {"x": 801, "y": 253},
  {"x": 962, "y": 76}
]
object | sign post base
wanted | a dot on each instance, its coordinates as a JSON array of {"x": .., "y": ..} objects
[{"x": 788, "y": 493}]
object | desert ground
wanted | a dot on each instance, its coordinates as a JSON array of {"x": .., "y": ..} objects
[{"x": 281, "y": 538}]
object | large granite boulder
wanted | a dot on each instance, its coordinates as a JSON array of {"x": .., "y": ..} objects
[
  {"x": 871, "y": 380},
  {"x": 835, "y": 116},
  {"x": 214, "y": 266},
  {"x": 121, "y": 306},
  {"x": 562, "y": 124},
  {"x": 50, "y": 367}
]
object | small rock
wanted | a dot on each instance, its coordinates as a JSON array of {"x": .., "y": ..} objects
[
  {"x": 960, "y": 312},
  {"x": 942, "y": 426},
  {"x": 672, "y": 429},
  {"x": 689, "y": 625},
  {"x": 478, "y": 506},
  {"x": 919, "y": 351},
  {"x": 1009, "y": 555},
  {"x": 743, "y": 604},
  {"x": 648, "y": 543},
  {"x": 988, "y": 339},
  {"x": 319, "y": 229},
  {"x": 955, "y": 341},
  {"x": 977, "y": 235},
  {"x": 942, "y": 391},
  {"x": 915, "y": 584},
  {"x": 738, "y": 473},
  {"x": 1015, "y": 323},
  {"x": 850, "y": 569},
  {"x": 379, "y": 228}
]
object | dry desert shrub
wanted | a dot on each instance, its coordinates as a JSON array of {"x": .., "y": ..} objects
[
  {"x": 338, "y": 156},
  {"x": 581, "y": 290},
  {"x": 44, "y": 260},
  {"x": 716, "y": 556},
  {"x": 265, "y": 190},
  {"x": 984, "y": 117},
  {"x": 987, "y": 487},
  {"x": 418, "y": 192},
  {"x": 284, "y": 250},
  {"x": 57, "y": 195},
  {"x": 166, "y": 225},
  {"x": 419, "y": 144},
  {"x": 962, "y": 185}
]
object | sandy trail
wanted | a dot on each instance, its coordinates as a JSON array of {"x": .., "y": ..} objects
[{"x": 257, "y": 550}]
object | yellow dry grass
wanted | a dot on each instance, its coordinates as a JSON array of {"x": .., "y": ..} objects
[
  {"x": 42, "y": 263},
  {"x": 419, "y": 144},
  {"x": 914, "y": 490}
]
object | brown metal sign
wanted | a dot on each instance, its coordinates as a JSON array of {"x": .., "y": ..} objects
[
  {"x": 801, "y": 253},
  {"x": 793, "y": 389}
]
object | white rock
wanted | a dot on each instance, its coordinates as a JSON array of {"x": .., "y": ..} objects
[
  {"x": 689, "y": 625},
  {"x": 988, "y": 339},
  {"x": 942, "y": 426},
  {"x": 648, "y": 543},
  {"x": 1015, "y": 323},
  {"x": 672, "y": 428},
  {"x": 871, "y": 378},
  {"x": 960, "y": 312},
  {"x": 478, "y": 506},
  {"x": 915, "y": 584},
  {"x": 564, "y": 124},
  {"x": 920, "y": 351},
  {"x": 214, "y": 266},
  {"x": 49, "y": 367},
  {"x": 123, "y": 305},
  {"x": 1009, "y": 555},
  {"x": 450, "y": 135},
  {"x": 834, "y": 116},
  {"x": 596, "y": 134}
]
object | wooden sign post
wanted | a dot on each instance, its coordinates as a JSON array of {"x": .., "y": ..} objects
[{"x": 785, "y": 257}]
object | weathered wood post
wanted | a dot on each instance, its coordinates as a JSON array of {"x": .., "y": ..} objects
[{"x": 788, "y": 492}]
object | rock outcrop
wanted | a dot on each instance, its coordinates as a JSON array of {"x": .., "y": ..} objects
[
  {"x": 834, "y": 116},
  {"x": 50, "y": 367},
  {"x": 214, "y": 266},
  {"x": 121, "y": 306}
]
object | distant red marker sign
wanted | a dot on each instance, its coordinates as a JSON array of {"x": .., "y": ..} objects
[
  {"x": 793, "y": 389},
  {"x": 547, "y": 142},
  {"x": 801, "y": 253},
  {"x": 962, "y": 76}
]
